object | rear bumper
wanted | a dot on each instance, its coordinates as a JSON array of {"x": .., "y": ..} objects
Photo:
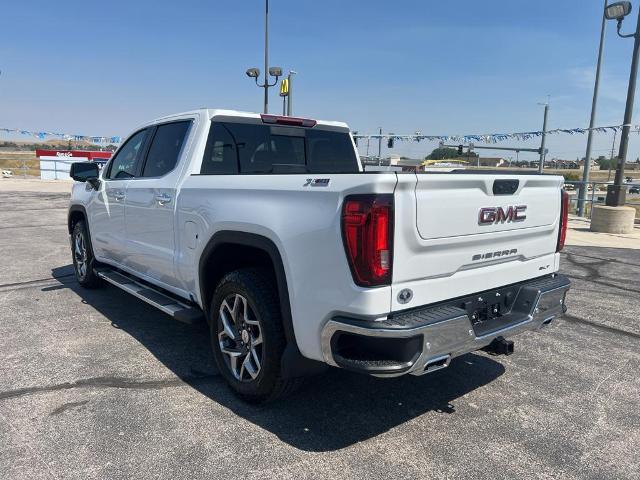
[{"x": 423, "y": 340}]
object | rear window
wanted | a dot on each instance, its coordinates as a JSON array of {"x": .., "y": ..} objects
[{"x": 263, "y": 149}]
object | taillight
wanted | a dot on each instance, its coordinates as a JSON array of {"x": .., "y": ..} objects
[
  {"x": 564, "y": 217},
  {"x": 367, "y": 233}
]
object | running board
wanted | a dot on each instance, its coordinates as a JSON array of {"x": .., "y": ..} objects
[{"x": 169, "y": 305}]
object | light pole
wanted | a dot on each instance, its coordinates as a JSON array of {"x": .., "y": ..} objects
[
  {"x": 273, "y": 71},
  {"x": 582, "y": 195},
  {"x": 617, "y": 193},
  {"x": 544, "y": 135},
  {"x": 290, "y": 93},
  {"x": 380, "y": 148}
]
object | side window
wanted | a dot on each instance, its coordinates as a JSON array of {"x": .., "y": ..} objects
[
  {"x": 221, "y": 154},
  {"x": 165, "y": 149},
  {"x": 330, "y": 152},
  {"x": 124, "y": 164}
]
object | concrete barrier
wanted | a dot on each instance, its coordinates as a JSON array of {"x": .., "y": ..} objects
[{"x": 612, "y": 219}]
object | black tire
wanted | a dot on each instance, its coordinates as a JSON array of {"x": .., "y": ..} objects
[
  {"x": 83, "y": 259},
  {"x": 257, "y": 287}
]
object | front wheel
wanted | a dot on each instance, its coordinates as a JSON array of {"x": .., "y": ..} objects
[
  {"x": 247, "y": 335},
  {"x": 83, "y": 259}
]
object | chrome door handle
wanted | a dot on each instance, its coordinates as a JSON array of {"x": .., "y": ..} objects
[
  {"x": 118, "y": 195},
  {"x": 163, "y": 198}
]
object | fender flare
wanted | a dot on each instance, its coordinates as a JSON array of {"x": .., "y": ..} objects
[
  {"x": 293, "y": 364},
  {"x": 262, "y": 243},
  {"x": 80, "y": 208},
  {"x": 73, "y": 209}
]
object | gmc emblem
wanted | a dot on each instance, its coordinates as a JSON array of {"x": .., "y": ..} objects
[{"x": 490, "y": 215}]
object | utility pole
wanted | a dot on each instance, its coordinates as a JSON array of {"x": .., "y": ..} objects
[
  {"x": 380, "y": 148},
  {"x": 582, "y": 195},
  {"x": 544, "y": 136}
]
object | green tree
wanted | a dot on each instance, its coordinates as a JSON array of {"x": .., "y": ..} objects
[
  {"x": 450, "y": 153},
  {"x": 441, "y": 153},
  {"x": 605, "y": 163}
]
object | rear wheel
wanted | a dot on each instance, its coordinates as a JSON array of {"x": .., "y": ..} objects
[
  {"x": 247, "y": 336},
  {"x": 83, "y": 259}
]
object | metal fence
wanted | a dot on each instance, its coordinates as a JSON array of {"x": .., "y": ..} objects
[
  {"x": 597, "y": 193},
  {"x": 50, "y": 169}
]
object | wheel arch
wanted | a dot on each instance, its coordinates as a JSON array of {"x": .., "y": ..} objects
[
  {"x": 224, "y": 244},
  {"x": 220, "y": 244},
  {"x": 75, "y": 214}
]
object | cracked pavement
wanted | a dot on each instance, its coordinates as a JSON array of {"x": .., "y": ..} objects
[{"x": 97, "y": 384}]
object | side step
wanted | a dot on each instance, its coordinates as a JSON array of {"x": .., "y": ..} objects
[{"x": 169, "y": 305}]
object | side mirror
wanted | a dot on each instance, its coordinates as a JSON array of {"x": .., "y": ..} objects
[{"x": 84, "y": 172}]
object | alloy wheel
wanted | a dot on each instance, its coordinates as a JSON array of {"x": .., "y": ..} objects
[
  {"x": 80, "y": 255},
  {"x": 240, "y": 337}
]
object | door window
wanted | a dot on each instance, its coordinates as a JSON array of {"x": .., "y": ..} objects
[
  {"x": 124, "y": 164},
  {"x": 165, "y": 149}
]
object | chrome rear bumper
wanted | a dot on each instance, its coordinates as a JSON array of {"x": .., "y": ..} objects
[{"x": 436, "y": 334}]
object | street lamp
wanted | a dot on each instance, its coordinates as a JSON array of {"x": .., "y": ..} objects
[
  {"x": 582, "y": 194},
  {"x": 616, "y": 193},
  {"x": 617, "y": 11},
  {"x": 273, "y": 71}
]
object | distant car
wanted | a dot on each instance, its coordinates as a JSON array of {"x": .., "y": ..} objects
[{"x": 635, "y": 189}]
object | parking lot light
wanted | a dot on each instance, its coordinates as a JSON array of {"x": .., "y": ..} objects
[
  {"x": 617, "y": 11},
  {"x": 616, "y": 193}
]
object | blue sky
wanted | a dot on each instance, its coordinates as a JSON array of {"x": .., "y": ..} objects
[{"x": 101, "y": 68}]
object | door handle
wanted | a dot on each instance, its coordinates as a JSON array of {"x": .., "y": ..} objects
[
  {"x": 118, "y": 195},
  {"x": 163, "y": 198}
]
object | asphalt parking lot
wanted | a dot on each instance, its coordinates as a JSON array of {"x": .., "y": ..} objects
[{"x": 96, "y": 384}]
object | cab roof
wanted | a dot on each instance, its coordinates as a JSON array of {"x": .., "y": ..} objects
[{"x": 213, "y": 112}]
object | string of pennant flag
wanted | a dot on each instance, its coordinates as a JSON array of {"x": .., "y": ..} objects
[
  {"x": 415, "y": 137},
  {"x": 63, "y": 136},
  {"x": 490, "y": 137}
]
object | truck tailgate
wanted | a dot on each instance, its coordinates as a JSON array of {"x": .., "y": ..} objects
[
  {"x": 450, "y": 205},
  {"x": 458, "y": 234}
]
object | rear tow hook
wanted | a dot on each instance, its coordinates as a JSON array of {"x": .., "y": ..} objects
[{"x": 499, "y": 346}]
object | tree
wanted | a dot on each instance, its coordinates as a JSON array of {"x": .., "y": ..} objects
[
  {"x": 450, "y": 153},
  {"x": 441, "y": 153},
  {"x": 606, "y": 163}
]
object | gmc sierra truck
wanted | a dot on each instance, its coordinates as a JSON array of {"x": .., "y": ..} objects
[{"x": 269, "y": 229}]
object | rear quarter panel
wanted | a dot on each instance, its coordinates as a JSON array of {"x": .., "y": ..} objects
[{"x": 304, "y": 224}]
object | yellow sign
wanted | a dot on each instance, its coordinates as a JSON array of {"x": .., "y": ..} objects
[{"x": 284, "y": 87}]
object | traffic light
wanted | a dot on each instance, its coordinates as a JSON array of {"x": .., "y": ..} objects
[
  {"x": 390, "y": 142},
  {"x": 460, "y": 148}
]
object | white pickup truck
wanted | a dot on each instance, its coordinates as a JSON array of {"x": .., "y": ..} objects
[{"x": 268, "y": 229}]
